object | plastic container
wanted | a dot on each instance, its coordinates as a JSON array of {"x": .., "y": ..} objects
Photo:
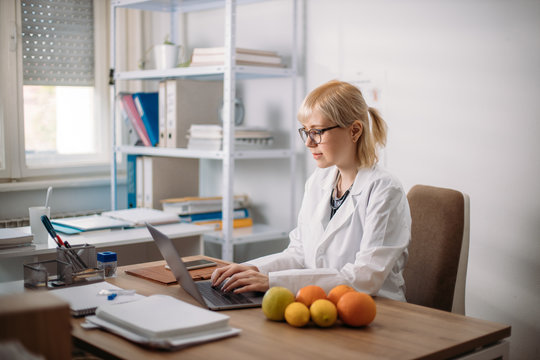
[{"x": 107, "y": 261}]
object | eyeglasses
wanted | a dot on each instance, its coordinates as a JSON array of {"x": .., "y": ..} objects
[{"x": 314, "y": 134}]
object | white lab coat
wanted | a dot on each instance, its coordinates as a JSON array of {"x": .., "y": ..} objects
[{"x": 364, "y": 245}]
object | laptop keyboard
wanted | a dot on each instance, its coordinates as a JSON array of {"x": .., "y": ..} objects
[{"x": 219, "y": 297}]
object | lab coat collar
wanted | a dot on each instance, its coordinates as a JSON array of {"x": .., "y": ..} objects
[
  {"x": 362, "y": 178},
  {"x": 347, "y": 209},
  {"x": 359, "y": 182}
]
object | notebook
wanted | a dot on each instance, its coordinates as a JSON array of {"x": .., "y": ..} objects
[
  {"x": 84, "y": 299},
  {"x": 162, "y": 321},
  {"x": 91, "y": 222},
  {"x": 202, "y": 291}
]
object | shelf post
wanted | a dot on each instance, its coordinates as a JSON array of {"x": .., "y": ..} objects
[
  {"x": 114, "y": 168},
  {"x": 292, "y": 142},
  {"x": 229, "y": 93}
]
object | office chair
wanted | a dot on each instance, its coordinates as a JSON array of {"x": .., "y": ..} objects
[{"x": 439, "y": 249}]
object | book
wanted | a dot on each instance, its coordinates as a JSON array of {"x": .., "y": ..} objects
[
  {"x": 84, "y": 299},
  {"x": 204, "y": 131},
  {"x": 240, "y": 57},
  {"x": 131, "y": 181},
  {"x": 197, "y": 205},
  {"x": 12, "y": 237},
  {"x": 190, "y": 102},
  {"x": 237, "y": 223},
  {"x": 128, "y": 105},
  {"x": 161, "y": 321},
  {"x": 140, "y": 216},
  {"x": 238, "y": 62},
  {"x": 168, "y": 177},
  {"x": 209, "y": 137},
  {"x": 147, "y": 107},
  {"x": 221, "y": 50},
  {"x": 214, "y": 215}
]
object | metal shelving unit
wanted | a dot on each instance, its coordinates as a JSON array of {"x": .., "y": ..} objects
[{"x": 229, "y": 73}]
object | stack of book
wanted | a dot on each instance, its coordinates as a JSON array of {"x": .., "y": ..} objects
[
  {"x": 210, "y": 137},
  {"x": 216, "y": 56},
  {"x": 15, "y": 240},
  {"x": 207, "y": 210}
]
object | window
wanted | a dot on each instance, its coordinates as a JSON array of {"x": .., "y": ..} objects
[{"x": 55, "y": 100}]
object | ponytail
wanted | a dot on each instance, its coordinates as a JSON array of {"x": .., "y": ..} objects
[{"x": 378, "y": 127}]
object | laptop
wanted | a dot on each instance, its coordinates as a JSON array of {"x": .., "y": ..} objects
[{"x": 202, "y": 291}]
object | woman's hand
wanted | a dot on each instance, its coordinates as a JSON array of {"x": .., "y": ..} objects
[{"x": 241, "y": 278}]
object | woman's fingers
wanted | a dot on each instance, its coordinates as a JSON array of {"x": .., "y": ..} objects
[
  {"x": 220, "y": 274},
  {"x": 248, "y": 280}
]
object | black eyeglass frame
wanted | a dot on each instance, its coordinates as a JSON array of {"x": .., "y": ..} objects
[{"x": 304, "y": 134}]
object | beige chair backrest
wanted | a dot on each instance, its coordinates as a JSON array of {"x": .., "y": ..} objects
[{"x": 438, "y": 253}]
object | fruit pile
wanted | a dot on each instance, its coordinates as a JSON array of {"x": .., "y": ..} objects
[{"x": 311, "y": 303}]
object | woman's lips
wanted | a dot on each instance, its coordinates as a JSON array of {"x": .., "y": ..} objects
[{"x": 317, "y": 156}]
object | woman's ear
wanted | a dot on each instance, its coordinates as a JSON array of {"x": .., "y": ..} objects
[{"x": 356, "y": 130}]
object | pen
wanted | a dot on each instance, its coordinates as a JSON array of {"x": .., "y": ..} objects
[{"x": 50, "y": 229}]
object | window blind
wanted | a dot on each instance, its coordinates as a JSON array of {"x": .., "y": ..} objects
[{"x": 58, "y": 42}]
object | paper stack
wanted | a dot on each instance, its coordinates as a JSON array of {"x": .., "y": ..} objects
[
  {"x": 207, "y": 210},
  {"x": 210, "y": 137},
  {"x": 250, "y": 57},
  {"x": 15, "y": 240},
  {"x": 164, "y": 322}
]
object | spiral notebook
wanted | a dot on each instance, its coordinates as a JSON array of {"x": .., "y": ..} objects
[{"x": 84, "y": 299}]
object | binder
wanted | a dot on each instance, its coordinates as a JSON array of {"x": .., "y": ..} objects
[
  {"x": 162, "y": 94},
  {"x": 190, "y": 102},
  {"x": 131, "y": 136},
  {"x": 167, "y": 177},
  {"x": 131, "y": 179},
  {"x": 139, "y": 182},
  {"x": 128, "y": 105},
  {"x": 147, "y": 107}
]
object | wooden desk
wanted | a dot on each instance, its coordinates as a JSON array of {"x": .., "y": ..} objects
[{"x": 400, "y": 331}]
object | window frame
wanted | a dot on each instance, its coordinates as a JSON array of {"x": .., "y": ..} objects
[{"x": 11, "y": 102}]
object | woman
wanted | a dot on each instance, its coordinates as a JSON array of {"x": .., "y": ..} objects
[{"x": 354, "y": 222}]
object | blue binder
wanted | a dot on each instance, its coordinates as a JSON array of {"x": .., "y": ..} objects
[
  {"x": 147, "y": 105},
  {"x": 131, "y": 181}
]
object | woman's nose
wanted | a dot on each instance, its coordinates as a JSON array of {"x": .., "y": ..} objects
[{"x": 309, "y": 142}]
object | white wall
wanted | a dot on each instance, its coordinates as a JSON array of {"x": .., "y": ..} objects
[{"x": 460, "y": 87}]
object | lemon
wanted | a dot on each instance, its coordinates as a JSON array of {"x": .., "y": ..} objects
[
  {"x": 323, "y": 312},
  {"x": 297, "y": 314},
  {"x": 275, "y": 301}
]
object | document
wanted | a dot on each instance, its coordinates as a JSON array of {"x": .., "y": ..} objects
[
  {"x": 84, "y": 300},
  {"x": 161, "y": 321}
]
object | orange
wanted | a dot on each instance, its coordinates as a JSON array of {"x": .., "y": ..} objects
[
  {"x": 297, "y": 314},
  {"x": 356, "y": 308},
  {"x": 323, "y": 312},
  {"x": 335, "y": 294},
  {"x": 308, "y": 294}
]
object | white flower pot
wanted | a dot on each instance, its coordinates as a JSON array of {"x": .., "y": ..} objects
[{"x": 166, "y": 56}]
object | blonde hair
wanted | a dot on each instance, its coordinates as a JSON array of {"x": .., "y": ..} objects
[{"x": 342, "y": 104}]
